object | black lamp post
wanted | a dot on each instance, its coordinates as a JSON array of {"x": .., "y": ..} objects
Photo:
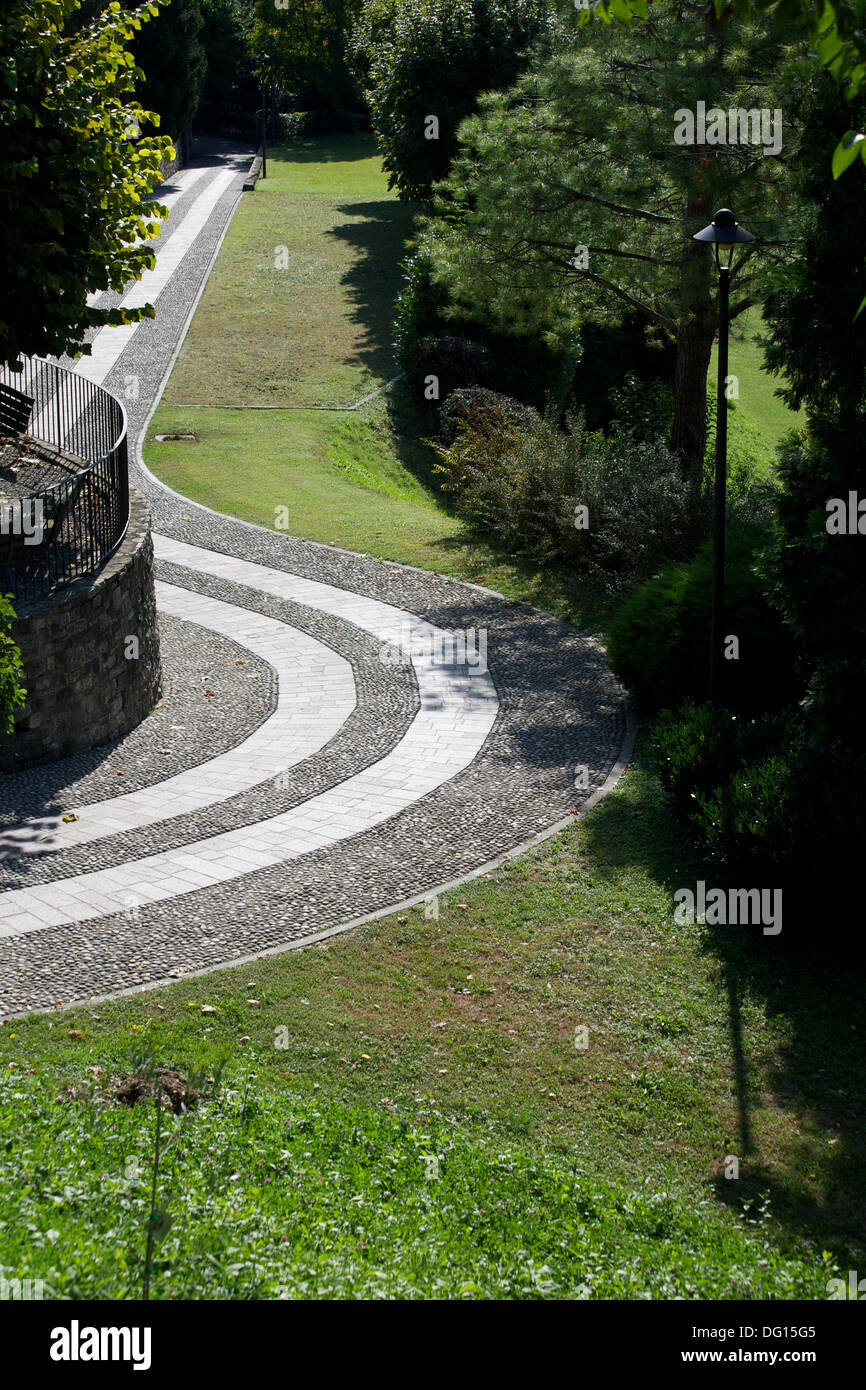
[
  {"x": 264, "y": 59},
  {"x": 724, "y": 230}
]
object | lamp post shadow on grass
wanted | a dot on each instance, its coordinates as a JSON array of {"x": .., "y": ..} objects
[{"x": 791, "y": 1036}]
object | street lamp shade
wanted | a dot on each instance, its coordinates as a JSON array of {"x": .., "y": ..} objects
[{"x": 724, "y": 230}]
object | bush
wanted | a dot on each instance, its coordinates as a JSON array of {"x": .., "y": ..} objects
[
  {"x": 616, "y": 353},
  {"x": 694, "y": 748},
  {"x": 11, "y": 693},
  {"x": 659, "y": 641},
  {"x": 454, "y": 362},
  {"x": 487, "y": 414},
  {"x": 768, "y": 800},
  {"x": 515, "y": 473},
  {"x": 521, "y": 365},
  {"x": 303, "y": 125}
]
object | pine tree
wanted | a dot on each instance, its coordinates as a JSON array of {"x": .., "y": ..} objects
[{"x": 571, "y": 196}]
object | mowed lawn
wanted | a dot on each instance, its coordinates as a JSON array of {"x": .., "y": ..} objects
[
  {"x": 297, "y": 315},
  {"x": 294, "y": 328},
  {"x": 298, "y": 308},
  {"x": 464, "y": 1033}
]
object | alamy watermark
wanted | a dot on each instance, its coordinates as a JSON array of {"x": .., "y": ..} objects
[
  {"x": 731, "y": 907},
  {"x": 434, "y": 646},
  {"x": 738, "y": 126},
  {"x": 23, "y": 516}
]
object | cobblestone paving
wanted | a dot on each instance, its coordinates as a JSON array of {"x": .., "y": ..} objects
[{"x": 442, "y": 763}]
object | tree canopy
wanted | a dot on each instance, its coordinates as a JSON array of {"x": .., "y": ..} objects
[
  {"x": 571, "y": 197},
  {"x": 306, "y": 45},
  {"x": 422, "y": 65},
  {"x": 73, "y": 215},
  {"x": 170, "y": 53}
]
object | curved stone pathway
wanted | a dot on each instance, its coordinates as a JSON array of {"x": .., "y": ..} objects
[{"x": 391, "y": 731}]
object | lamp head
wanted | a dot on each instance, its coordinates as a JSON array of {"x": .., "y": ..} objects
[{"x": 724, "y": 230}]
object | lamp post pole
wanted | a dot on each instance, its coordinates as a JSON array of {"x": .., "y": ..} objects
[
  {"x": 724, "y": 230},
  {"x": 717, "y": 608}
]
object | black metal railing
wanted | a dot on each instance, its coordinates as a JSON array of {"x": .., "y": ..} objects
[{"x": 57, "y": 534}]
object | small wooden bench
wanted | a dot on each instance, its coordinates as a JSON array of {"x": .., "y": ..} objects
[{"x": 15, "y": 409}]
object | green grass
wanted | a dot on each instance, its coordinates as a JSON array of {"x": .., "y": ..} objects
[
  {"x": 298, "y": 308},
  {"x": 759, "y": 419},
  {"x": 701, "y": 1045},
  {"x": 297, "y": 315},
  {"x": 454, "y": 1036},
  {"x": 279, "y": 1197}
]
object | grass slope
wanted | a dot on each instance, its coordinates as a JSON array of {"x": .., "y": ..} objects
[{"x": 456, "y": 1036}]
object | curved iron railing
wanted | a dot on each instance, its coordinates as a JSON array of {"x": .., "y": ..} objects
[{"x": 63, "y": 532}]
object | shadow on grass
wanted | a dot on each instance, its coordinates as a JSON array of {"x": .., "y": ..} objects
[
  {"x": 380, "y": 240},
  {"x": 812, "y": 990}
]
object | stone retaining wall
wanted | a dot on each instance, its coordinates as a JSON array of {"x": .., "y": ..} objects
[{"x": 90, "y": 655}]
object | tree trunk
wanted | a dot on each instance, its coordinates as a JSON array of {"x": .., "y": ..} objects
[
  {"x": 695, "y": 333},
  {"x": 689, "y": 430}
]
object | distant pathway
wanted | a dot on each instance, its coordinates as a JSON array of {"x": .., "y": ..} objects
[{"x": 337, "y": 734}]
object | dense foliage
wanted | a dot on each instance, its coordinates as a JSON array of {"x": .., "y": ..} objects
[
  {"x": 523, "y": 364},
  {"x": 72, "y": 217},
  {"x": 11, "y": 693},
  {"x": 618, "y": 504},
  {"x": 771, "y": 803},
  {"x": 818, "y": 576},
  {"x": 422, "y": 59},
  {"x": 170, "y": 54},
  {"x": 659, "y": 640},
  {"x": 306, "y": 45},
  {"x": 570, "y": 196}
]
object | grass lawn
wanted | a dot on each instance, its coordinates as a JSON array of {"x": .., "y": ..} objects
[
  {"x": 347, "y": 1065},
  {"x": 759, "y": 419},
  {"x": 297, "y": 316}
]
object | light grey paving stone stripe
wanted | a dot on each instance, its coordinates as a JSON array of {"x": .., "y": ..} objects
[
  {"x": 444, "y": 837},
  {"x": 111, "y": 340},
  {"x": 458, "y": 709},
  {"x": 559, "y": 709},
  {"x": 316, "y": 695},
  {"x": 387, "y": 703},
  {"x": 185, "y": 727}
]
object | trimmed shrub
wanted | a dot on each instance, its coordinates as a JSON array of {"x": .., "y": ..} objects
[
  {"x": 303, "y": 125},
  {"x": 487, "y": 414},
  {"x": 659, "y": 641}
]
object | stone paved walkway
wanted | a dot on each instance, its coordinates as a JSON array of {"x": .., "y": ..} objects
[{"x": 334, "y": 740}]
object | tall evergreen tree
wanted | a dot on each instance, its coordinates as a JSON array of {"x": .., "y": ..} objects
[
  {"x": 819, "y": 564},
  {"x": 572, "y": 195}
]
